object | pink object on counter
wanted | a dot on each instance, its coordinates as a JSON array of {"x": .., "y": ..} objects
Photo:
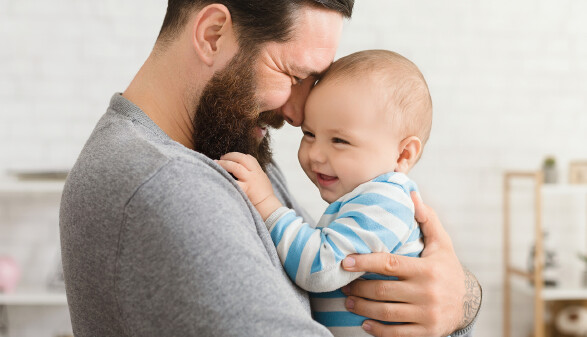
[{"x": 9, "y": 274}]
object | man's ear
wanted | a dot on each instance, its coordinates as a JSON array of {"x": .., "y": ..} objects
[
  {"x": 409, "y": 152},
  {"x": 212, "y": 33}
]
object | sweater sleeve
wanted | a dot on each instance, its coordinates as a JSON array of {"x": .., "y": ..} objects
[
  {"x": 377, "y": 217},
  {"x": 191, "y": 259}
]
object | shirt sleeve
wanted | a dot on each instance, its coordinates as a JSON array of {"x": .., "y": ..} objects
[
  {"x": 380, "y": 218},
  {"x": 191, "y": 263}
]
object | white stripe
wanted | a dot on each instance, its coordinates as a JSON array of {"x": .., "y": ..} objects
[
  {"x": 358, "y": 190},
  {"x": 340, "y": 241},
  {"x": 411, "y": 247},
  {"x": 326, "y": 219},
  {"x": 382, "y": 217},
  {"x": 372, "y": 241},
  {"x": 327, "y": 255},
  {"x": 399, "y": 178},
  {"x": 389, "y": 190},
  {"x": 348, "y": 331}
]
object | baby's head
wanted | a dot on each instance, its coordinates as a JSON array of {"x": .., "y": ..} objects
[{"x": 371, "y": 113}]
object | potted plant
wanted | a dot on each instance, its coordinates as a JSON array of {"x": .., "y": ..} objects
[{"x": 549, "y": 169}]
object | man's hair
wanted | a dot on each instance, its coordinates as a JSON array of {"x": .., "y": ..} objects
[
  {"x": 405, "y": 93},
  {"x": 256, "y": 21}
]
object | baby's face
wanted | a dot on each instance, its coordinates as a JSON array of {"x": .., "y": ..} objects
[{"x": 346, "y": 139}]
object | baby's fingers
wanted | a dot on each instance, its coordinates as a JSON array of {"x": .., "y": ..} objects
[
  {"x": 237, "y": 170},
  {"x": 248, "y": 161}
]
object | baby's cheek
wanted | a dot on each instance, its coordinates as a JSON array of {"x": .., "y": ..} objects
[
  {"x": 355, "y": 175},
  {"x": 302, "y": 155}
]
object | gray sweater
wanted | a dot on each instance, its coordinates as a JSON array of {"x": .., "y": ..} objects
[{"x": 157, "y": 240}]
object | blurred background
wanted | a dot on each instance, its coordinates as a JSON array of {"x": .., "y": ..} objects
[{"x": 509, "y": 84}]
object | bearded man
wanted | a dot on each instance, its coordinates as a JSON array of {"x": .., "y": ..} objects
[{"x": 158, "y": 240}]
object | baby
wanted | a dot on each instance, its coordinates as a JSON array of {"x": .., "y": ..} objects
[{"x": 366, "y": 122}]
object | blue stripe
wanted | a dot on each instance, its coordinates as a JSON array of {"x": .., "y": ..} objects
[
  {"x": 317, "y": 264},
  {"x": 384, "y": 178},
  {"x": 415, "y": 235},
  {"x": 331, "y": 294},
  {"x": 386, "y": 236},
  {"x": 408, "y": 186},
  {"x": 404, "y": 213},
  {"x": 281, "y": 226},
  {"x": 333, "y": 208},
  {"x": 338, "y": 318},
  {"x": 342, "y": 318},
  {"x": 360, "y": 246},
  {"x": 294, "y": 254},
  {"x": 338, "y": 254}
]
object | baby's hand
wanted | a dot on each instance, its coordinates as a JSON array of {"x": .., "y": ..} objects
[{"x": 252, "y": 180}]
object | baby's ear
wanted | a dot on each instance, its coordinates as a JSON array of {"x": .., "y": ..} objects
[{"x": 409, "y": 152}]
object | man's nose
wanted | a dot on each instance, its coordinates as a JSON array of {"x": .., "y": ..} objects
[{"x": 293, "y": 109}]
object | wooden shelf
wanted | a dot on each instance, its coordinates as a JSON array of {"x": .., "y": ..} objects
[
  {"x": 552, "y": 293},
  {"x": 556, "y": 294},
  {"x": 518, "y": 279},
  {"x": 33, "y": 297}
]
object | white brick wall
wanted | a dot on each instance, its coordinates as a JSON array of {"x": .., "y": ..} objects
[
  {"x": 60, "y": 61},
  {"x": 508, "y": 81}
]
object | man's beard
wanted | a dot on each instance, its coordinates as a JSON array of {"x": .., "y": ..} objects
[{"x": 228, "y": 113}]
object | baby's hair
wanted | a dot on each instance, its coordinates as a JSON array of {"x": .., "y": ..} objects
[{"x": 405, "y": 91}]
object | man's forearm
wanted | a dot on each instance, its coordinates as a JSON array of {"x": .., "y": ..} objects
[{"x": 472, "y": 299}]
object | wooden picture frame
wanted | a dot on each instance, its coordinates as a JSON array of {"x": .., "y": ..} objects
[{"x": 578, "y": 172}]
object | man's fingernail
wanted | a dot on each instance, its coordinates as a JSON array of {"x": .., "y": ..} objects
[
  {"x": 366, "y": 327},
  {"x": 348, "y": 262},
  {"x": 346, "y": 290},
  {"x": 350, "y": 304}
]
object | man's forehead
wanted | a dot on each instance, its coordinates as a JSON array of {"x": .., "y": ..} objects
[{"x": 315, "y": 39}]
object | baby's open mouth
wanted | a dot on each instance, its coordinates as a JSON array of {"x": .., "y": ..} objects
[{"x": 326, "y": 180}]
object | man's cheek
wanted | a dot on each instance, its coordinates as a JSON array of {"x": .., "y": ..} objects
[{"x": 273, "y": 98}]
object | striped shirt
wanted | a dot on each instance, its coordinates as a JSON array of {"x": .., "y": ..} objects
[{"x": 377, "y": 216}]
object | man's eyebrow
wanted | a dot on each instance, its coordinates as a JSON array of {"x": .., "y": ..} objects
[{"x": 307, "y": 72}]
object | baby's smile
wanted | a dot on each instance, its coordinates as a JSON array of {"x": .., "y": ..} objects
[{"x": 325, "y": 180}]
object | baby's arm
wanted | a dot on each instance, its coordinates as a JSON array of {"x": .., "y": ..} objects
[
  {"x": 376, "y": 219},
  {"x": 312, "y": 256}
]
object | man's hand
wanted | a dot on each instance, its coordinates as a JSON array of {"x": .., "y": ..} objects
[
  {"x": 252, "y": 180},
  {"x": 434, "y": 294}
]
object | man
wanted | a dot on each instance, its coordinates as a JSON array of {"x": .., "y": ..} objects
[{"x": 158, "y": 240}]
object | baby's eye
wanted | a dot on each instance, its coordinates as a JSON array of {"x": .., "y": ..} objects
[
  {"x": 308, "y": 133},
  {"x": 337, "y": 140}
]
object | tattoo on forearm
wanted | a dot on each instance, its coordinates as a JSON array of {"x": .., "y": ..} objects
[{"x": 472, "y": 300}]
